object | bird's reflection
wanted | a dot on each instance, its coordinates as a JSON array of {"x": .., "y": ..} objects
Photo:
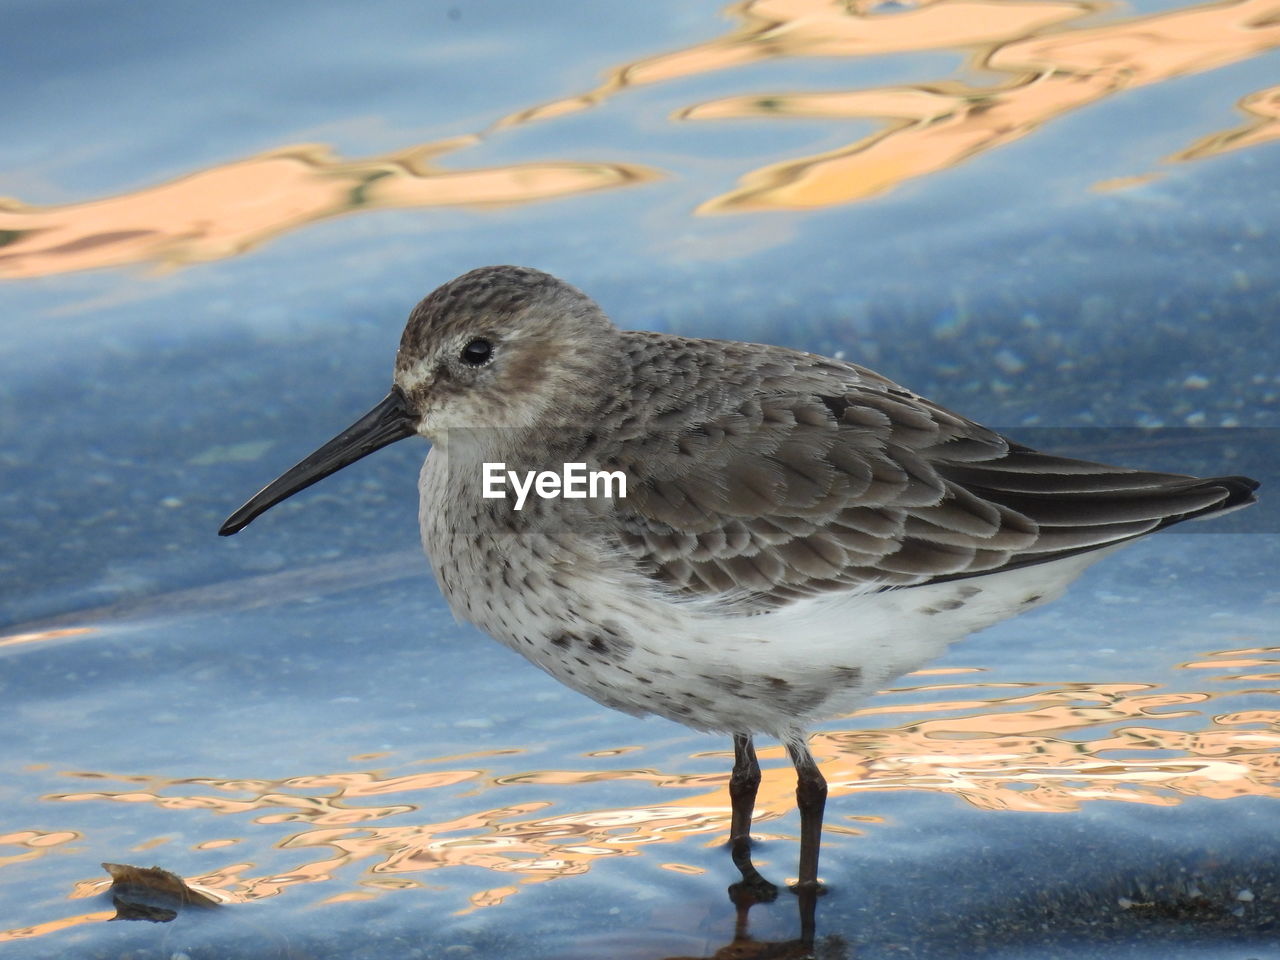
[{"x": 744, "y": 947}]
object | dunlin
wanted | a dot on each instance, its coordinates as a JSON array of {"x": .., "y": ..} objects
[{"x": 796, "y": 531}]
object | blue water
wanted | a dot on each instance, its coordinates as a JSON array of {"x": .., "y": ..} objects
[{"x": 139, "y": 405}]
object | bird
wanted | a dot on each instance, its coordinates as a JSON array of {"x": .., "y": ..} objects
[{"x": 787, "y": 532}]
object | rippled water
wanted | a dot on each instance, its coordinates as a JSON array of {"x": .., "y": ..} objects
[{"x": 1047, "y": 215}]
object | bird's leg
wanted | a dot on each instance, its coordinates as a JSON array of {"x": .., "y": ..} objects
[
  {"x": 743, "y": 784},
  {"x": 811, "y": 798}
]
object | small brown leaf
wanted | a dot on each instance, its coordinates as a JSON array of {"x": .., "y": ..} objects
[{"x": 151, "y": 893}]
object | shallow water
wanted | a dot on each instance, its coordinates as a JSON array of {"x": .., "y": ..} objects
[{"x": 219, "y": 220}]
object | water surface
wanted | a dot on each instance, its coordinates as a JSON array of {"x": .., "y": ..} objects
[{"x": 1056, "y": 217}]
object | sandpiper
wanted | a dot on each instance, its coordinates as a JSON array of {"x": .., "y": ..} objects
[{"x": 796, "y": 531}]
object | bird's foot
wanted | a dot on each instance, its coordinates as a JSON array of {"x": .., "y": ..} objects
[
  {"x": 815, "y": 887},
  {"x": 751, "y": 890}
]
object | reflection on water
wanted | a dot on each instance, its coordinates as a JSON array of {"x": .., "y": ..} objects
[
  {"x": 229, "y": 209},
  {"x": 1263, "y": 109},
  {"x": 35, "y": 842},
  {"x": 1045, "y": 70},
  {"x": 42, "y": 636},
  {"x": 1031, "y": 747},
  {"x": 940, "y": 126}
]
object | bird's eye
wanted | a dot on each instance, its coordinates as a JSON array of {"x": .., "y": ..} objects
[{"x": 477, "y": 353}]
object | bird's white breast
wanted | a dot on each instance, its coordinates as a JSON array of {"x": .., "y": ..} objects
[{"x": 575, "y": 607}]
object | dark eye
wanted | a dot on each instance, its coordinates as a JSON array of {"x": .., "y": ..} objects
[{"x": 477, "y": 353}]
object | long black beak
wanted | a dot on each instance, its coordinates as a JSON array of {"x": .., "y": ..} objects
[{"x": 386, "y": 423}]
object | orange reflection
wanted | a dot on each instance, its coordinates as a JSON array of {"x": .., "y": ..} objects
[
  {"x": 272, "y": 806},
  {"x": 998, "y": 746},
  {"x": 1049, "y": 66},
  {"x": 56, "y": 926},
  {"x": 941, "y": 125},
  {"x": 36, "y": 842},
  {"x": 772, "y": 29},
  {"x": 39, "y": 636},
  {"x": 1263, "y": 107},
  {"x": 229, "y": 209}
]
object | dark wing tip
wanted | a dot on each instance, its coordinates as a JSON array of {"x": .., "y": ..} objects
[
  {"x": 1241, "y": 488},
  {"x": 1232, "y": 493},
  {"x": 1239, "y": 492}
]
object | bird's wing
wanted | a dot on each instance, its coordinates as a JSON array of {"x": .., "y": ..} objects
[{"x": 828, "y": 476}]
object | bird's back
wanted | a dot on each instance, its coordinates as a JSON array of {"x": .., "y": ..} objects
[{"x": 778, "y": 474}]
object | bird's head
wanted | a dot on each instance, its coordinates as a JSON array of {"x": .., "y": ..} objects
[{"x": 499, "y": 351}]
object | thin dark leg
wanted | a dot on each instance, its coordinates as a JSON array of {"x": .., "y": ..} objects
[
  {"x": 743, "y": 785},
  {"x": 811, "y": 798}
]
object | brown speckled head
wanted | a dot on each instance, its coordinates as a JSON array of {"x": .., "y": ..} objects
[{"x": 504, "y": 347}]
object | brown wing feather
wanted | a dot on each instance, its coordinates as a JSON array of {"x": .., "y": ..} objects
[{"x": 782, "y": 474}]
